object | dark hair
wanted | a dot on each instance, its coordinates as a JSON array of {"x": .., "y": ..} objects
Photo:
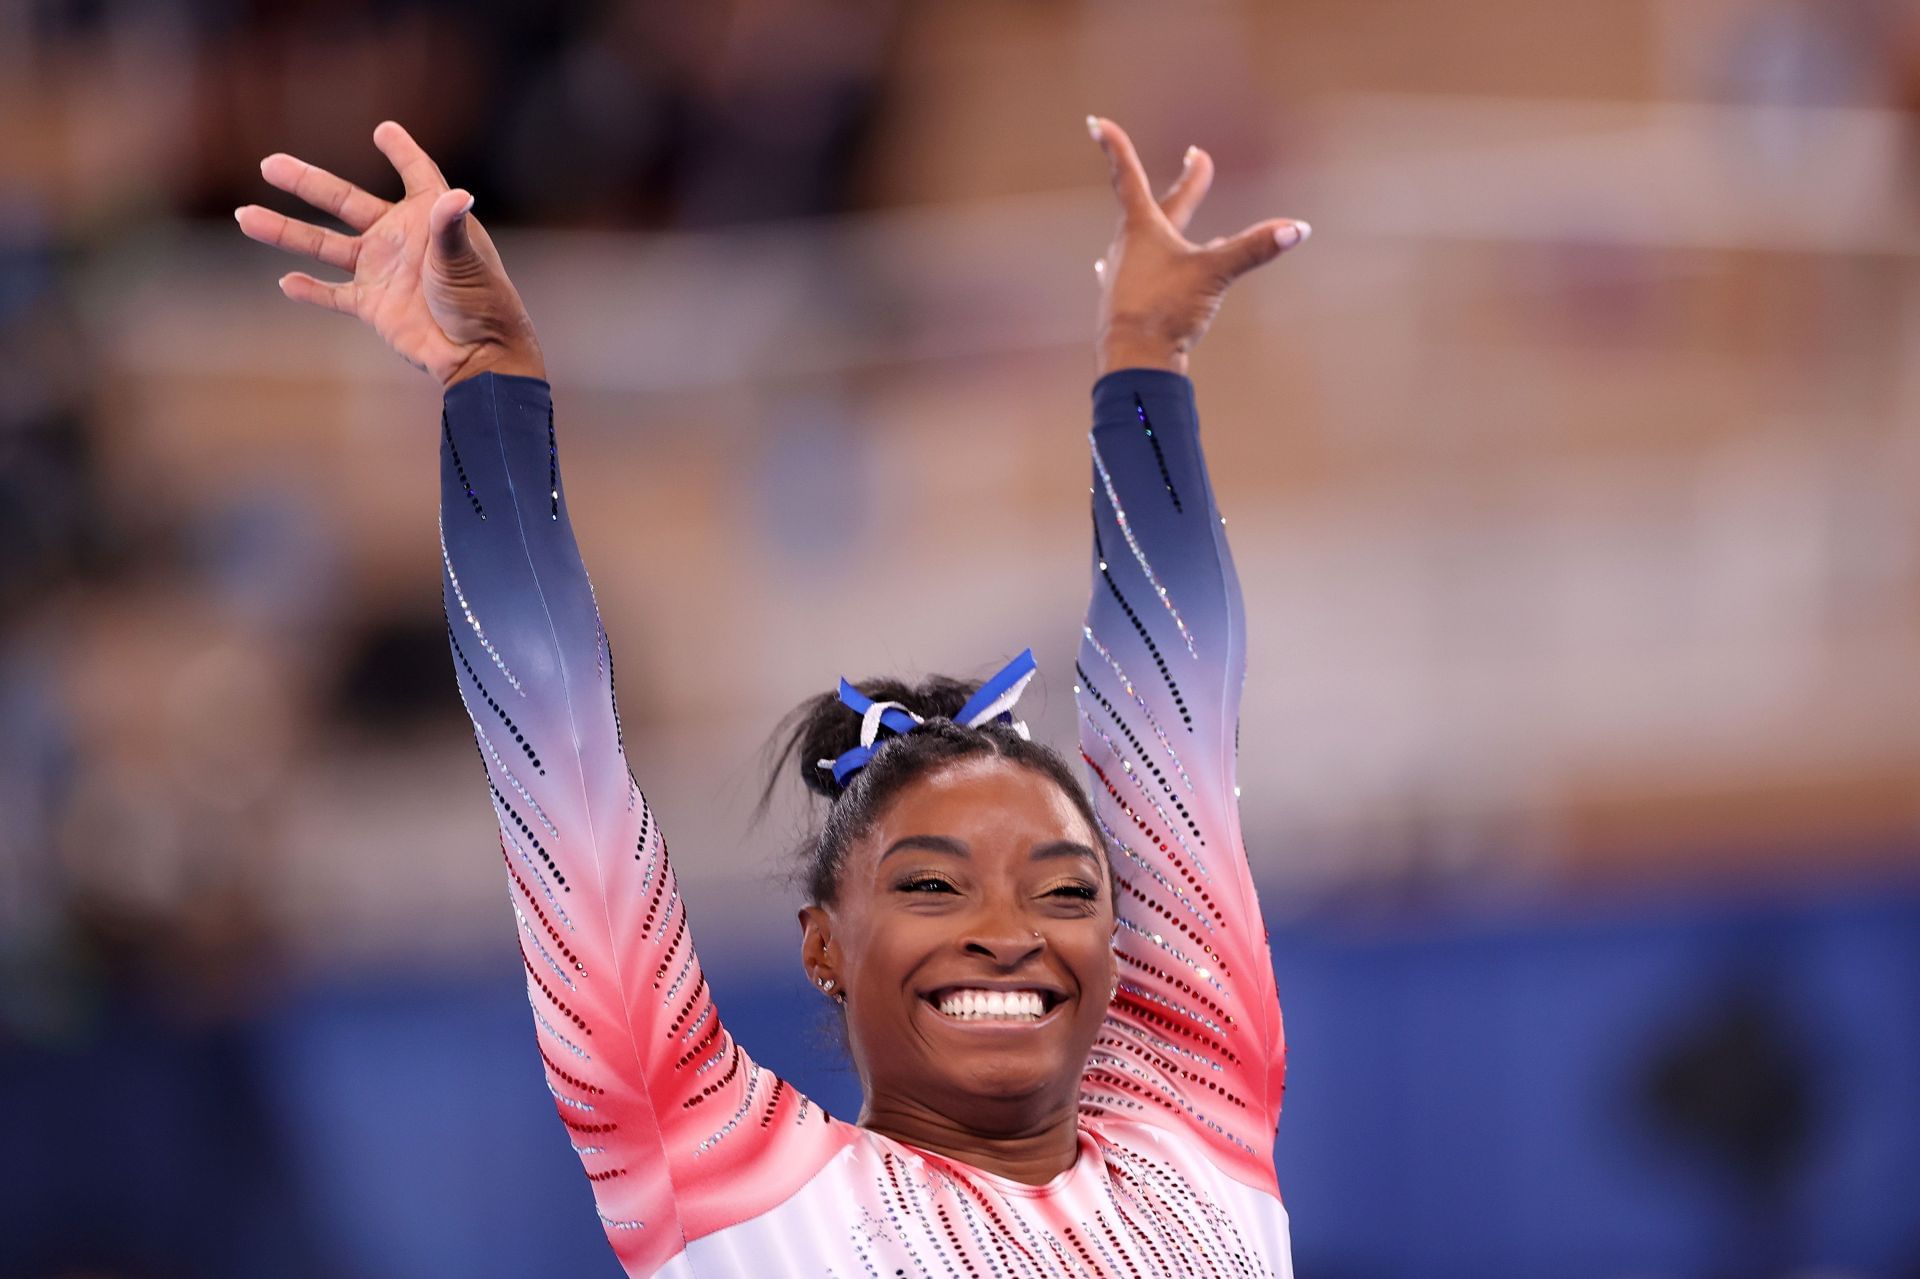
[{"x": 824, "y": 728}]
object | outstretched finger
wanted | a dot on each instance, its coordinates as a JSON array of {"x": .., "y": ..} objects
[
  {"x": 1123, "y": 165},
  {"x": 302, "y": 287},
  {"x": 358, "y": 209},
  {"x": 1260, "y": 243},
  {"x": 1189, "y": 189},
  {"x": 416, "y": 168},
  {"x": 283, "y": 232}
]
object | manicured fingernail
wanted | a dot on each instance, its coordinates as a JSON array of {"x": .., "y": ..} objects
[
  {"x": 1093, "y": 127},
  {"x": 467, "y": 207},
  {"x": 1186, "y": 161},
  {"x": 1293, "y": 234},
  {"x": 236, "y": 215}
]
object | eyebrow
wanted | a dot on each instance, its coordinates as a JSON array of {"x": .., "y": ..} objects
[{"x": 958, "y": 848}]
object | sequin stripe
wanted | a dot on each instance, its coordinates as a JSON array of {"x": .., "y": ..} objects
[
  {"x": 519, "y": 788},
  {"x": 487, "y": 696},
  {"x": 1119, "y": 1254},
  {"x": 1126, "y": 886},
  {"x": 1140, "y": 629},
  {"x": 1088, "y": 1264},
  {"x": 546, "y": 889},
  {"x": 1145, "y": 1005},
  {"x": 713, "y": 1032},
  {"x": 577, "y": 1126},
  {"x": 973, "y": 1206},
  {"x": 959, "y": 1248},
  {"x": 578, "y": 1021},
  {"x": 1133, "y": 544},
  {"x": 773, "y": 1101},
  {"x": 707, "y": 1092},
  {"x": 686, "y": 1011},
  {"x": 1178, "y": 1232},
  {"x": 563, "y": 1099},
  {"x": 584, "y": 1151},
  {"x": 640, "y": 841},
  {"x": 674, "y": 907},
  {"x": 912, "y": 1214},
  {"x": 612, "y": 1223},
  {"x": 1140, "y": 703},
  {"x": 608, "y": 1175},
  {"x": 1153, "y": 872},
  {"x": 506, "y": 810},
  {"x": 659, "y": 894},
  {"x": 720, "y": 1054},
  {"x": 1160, "y": 1061},
  {"x": 1110, "y": 1102},
  {"x": 1147, "y": 761},
  {"x": 686, "y": 967},
  {"x": 652, "y": 847},
  {"x": 672, "y": 948},
  {"x": 1160, "y": 1266},
  {"x": 553, "y": 468},
  {"x": 1166, "y": 477},
  {"x": 746, "y": 1102},
  {"x": 1170, "y": 1194},
  {"x": 1174, "y": 953},
  {"x": 466, "y": 611},
  {"x": 1219, "y": 965},
  {"x": 446, "y": 433},
  {"x": 592, "y": 1089},
  {"x": 1105, "y": 1061},
  {"x": 526, "y": 926},
  {"x": 1126, "y": 766},
  {"x": 540, "y": 1019},
  {"x": 1185, "y": 866},
  {"x": 1135, "y": 1030},
  {"x": 1154, "y": 996},
  {"x": 527, "y": 895}
]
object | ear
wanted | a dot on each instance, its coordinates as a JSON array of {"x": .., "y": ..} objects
[{"x": 819, "y": 956}]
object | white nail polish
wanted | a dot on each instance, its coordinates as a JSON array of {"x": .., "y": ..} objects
[
  {"x": 1093, "y": 127},
  {"x": 1292, "y": 235},
  {"x": 1186, "y": 161}
]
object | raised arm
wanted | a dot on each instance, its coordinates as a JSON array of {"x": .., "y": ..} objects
[
  {"x": 678, "y": 1130},
  {"x": 1194, "y": 1038}
]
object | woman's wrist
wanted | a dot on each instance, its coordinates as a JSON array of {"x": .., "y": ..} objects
[
  {"x": 522, "y": 359},
  {"x": 1125, "y": 347}
]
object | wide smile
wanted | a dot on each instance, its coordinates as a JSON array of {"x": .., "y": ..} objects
[{"x": 982, "y": 1008}]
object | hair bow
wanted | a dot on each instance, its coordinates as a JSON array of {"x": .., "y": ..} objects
[{"x": 992, "y": 701}]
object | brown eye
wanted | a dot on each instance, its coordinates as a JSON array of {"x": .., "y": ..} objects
[
  {"x": 926, "y": 884},
  {"x": 1080, "y": 892}
]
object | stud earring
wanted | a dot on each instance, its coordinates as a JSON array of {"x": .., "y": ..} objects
[{"x": 826, "y": 985}]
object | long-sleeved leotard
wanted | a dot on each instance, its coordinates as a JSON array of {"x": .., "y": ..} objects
[{"x": 704, "y": 1164}]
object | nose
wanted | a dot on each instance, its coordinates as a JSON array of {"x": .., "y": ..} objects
[{"x": 1006, "y": 942}]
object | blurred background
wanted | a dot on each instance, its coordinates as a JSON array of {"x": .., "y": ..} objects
[{"x": 1574, "y": 479}]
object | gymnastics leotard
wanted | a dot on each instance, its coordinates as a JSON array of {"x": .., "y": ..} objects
[{"x": 703, "y": 1163}]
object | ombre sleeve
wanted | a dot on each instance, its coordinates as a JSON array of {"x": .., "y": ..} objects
[
  {"x": 1194, "y": 1037},
  {"x": 678, "y": 1130}
]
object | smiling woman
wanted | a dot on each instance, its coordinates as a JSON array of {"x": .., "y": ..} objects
[{"x": 1061, "y": 1009}]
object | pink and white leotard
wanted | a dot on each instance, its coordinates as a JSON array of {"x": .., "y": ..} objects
[{"x": 704, "y": 1164}]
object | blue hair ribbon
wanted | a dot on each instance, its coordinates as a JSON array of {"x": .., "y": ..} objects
[{"x": 993, "y": 701}]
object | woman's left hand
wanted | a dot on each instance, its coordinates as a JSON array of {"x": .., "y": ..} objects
[{"x": 1160, "y": 290}]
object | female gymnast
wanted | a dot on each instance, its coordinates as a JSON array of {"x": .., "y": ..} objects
[{"x": 1061, "y": 1008}]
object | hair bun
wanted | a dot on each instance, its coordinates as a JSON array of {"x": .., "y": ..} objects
[{"x": 824, "y": 727}]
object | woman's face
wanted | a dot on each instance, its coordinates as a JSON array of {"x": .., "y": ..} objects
[{"x": 972, "y": 936}]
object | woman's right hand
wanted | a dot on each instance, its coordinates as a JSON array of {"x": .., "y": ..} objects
[{"x": 426, "y": 277}]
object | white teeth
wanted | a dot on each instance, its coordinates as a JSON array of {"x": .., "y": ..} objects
[{"x": 1002, "y": 1005}]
